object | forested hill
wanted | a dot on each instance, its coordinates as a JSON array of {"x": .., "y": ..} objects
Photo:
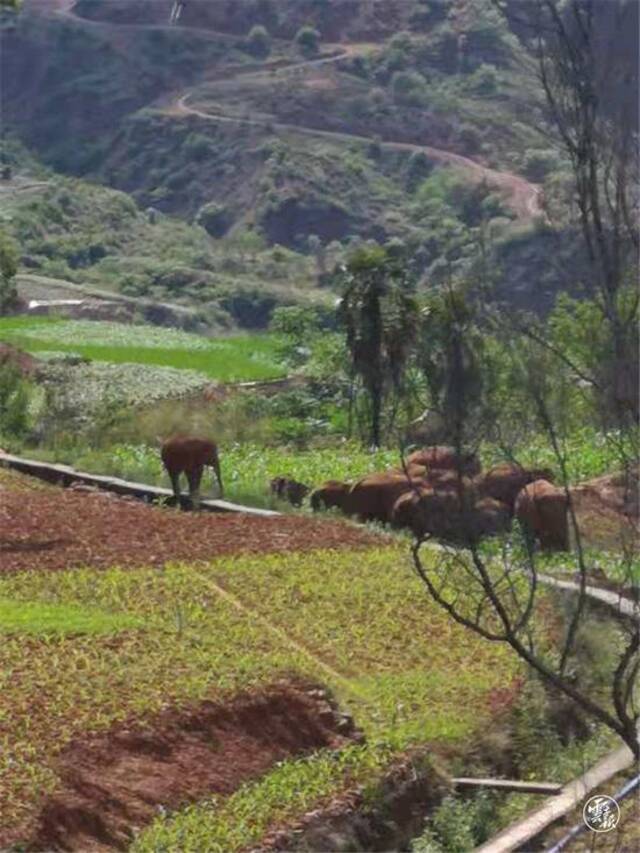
[{"x": 268, "y": 136}]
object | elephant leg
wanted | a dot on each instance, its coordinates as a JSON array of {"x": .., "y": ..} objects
[
  {"x": 175, "y": 485},
  {"x": 195, "y": 477},
  {"x": 554, "y": 527}
]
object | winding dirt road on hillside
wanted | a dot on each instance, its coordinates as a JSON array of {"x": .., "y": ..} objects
[{"x": 522, "y": 196}]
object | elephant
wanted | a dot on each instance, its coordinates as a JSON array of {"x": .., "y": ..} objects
[
  {"x": 490, "y": 517},
  {"x": 446, "y": 480},
  {"x": 189, "y": 454},
  {"x": 541, "y": 509},
  {"x": 425, "y": 510},
  {"x": 289, "y": 490},
  {"x": 331, "y": 494},
  {"x": 450, "y": 515},
  {"x": 440, "y": 456},
  {"x": 415, "y": 472},
  {"x": 372, "y": 498},
  {"x": 504, "y": 482}
]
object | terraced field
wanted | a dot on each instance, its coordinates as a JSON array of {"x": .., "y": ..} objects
[
  {"x": 247, "y": 357},
  {"x": 133, "y": 656}
]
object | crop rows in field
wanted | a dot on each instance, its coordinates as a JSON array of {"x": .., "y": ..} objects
[
  {"x": 179, "y": 640},
  {"x": 248, "y": 357}
]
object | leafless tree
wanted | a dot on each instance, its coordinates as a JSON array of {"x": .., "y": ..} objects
[
  {"x": 586, "y": 52},
  {"x": 501, "y": 594}
]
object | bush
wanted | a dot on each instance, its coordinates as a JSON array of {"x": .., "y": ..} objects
[
  {"x": 308, "y": 40},
  {"x": 418, "y": 168},
  {"x": 8, "y": 268},
  {"x": 15, "y": 398},
  {"x": 198, "y": 146},
  {"x": 538, "y": 164},
  {"x": 409, "y": 88},
  {"x": 484, "y": 80},
  {"x": 259, "y": 41},
  {"x": 214, "y": 218}
]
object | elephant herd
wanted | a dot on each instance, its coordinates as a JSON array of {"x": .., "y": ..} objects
[
  {"x": 439, "y": 492},
  {"x": 436, "y": 492}
]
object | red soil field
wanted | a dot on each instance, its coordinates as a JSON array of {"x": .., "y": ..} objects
[
  {"x": 54, "y": 529},
  {"x": 115, "y": 781}
]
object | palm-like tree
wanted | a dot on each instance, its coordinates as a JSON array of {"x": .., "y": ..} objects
[{"x": 379, "y": 312}]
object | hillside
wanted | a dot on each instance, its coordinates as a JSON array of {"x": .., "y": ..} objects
[{"x": 406, "y": 122}]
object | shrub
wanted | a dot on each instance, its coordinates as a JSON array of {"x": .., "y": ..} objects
[
  {"x": 15, "y": 398},
  {"x": 198, "y": 146},
  {"x": 418, "y": 168},
  {"x": 8, "y": 268},
  {"x": 214, "y": 218},
  {"x": 308, "y": 40},
  {"x": 538, "y": 164},
  {"x": 409, "y": 88},
  {"x": 484, "y": 80},
  {"x": 259, "y": 41}
]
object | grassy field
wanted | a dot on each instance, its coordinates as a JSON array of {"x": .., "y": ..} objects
[
  {"x": 227, "y": 360},
  {"x": 105, "y": 645}
]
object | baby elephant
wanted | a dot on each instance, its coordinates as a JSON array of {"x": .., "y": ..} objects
[
  {"x": 289, "y": 490},
  {"x": 189, "y": 454}
]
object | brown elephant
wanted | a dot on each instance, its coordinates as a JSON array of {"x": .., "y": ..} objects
[
  {"x": 372, "y": 498},
  {"x": 489, "y": 518},
  {"x": 446, "y": 480},
  {"x": 331, "y": 494},
  {"x": 505, "y": 481},
  {"x": 415, "y": 472},
  {"x": 189, "y": 454},
  {"x": 427, "y": 511},
  {"x": 289, "y": 490},
  {"x": 440, "y": 456},
  {"x": 541, "y": 509},
  {"x": 450, "y": 515}
]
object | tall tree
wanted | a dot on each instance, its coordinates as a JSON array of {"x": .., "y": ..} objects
[{"x": 378, "y": 310}]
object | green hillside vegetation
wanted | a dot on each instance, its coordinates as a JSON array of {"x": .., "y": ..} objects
[
  {"x": 253, "y": 187},
  {"x": 82, "y": 232}
]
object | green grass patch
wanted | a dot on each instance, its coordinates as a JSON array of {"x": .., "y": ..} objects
[
  {"x": 246, "y": 357},
  {"x": 40, "y": 618}
]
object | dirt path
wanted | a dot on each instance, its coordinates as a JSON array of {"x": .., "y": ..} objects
[{"x": 523, "y": 197}]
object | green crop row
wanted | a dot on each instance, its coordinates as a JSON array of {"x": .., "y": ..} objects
[
  {"x": 246, "y": 357},
  {"x": 360, "y": 623}
]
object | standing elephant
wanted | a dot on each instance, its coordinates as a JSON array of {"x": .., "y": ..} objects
[
  {"x": 189, "y": 454},
  {"x": 450, "y": 515},
  {"x": 331, "y": 494},
  {"x": 427, "y": 511},
  {"x": 372, "y": 498},
  {"x": 446, "y": 457},
  {"x": 505, "y": 481},
  {"x": 541, "y": 509}
]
